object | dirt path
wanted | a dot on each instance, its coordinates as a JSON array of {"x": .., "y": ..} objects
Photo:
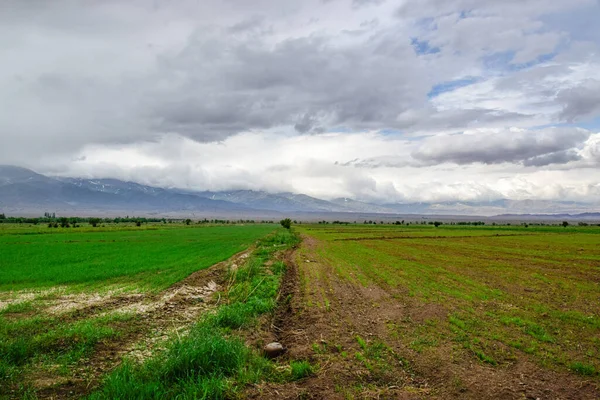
[
  {"x": 157, "y": 318},
  {"x": 327, "y": 315}
]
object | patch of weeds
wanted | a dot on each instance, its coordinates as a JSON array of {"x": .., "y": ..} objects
[
  {"x": 361, "y": 342},
  {"x": 18, "y": 308},
  {"x": 424, "y": 336},
  {"x": 319, "y": 348},
  {"x": 464, "y": 329},
  {"x": 25, "y": 339},
  {"x": 482, "y": 356},
  {"x": 583, "y": 369},
  {"x": 379, "y": 360},
  {"x": 458, "y": 384},
  {"x": 193, "y": 367},
  {"x": 300, "y": 370},
  {"x": 530, "y": 328},
  {"x": 278, "y": 267},
  {"x": 7, "y": 372},
  {"x": 420, "y": 343},
  {"x": 360, "y": 357}
]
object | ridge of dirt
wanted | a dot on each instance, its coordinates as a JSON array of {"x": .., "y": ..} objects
[
  {"x": 157, "y": 318},
  {"x": 322, "y": 334},
  {"x": 361, "y": 238}
]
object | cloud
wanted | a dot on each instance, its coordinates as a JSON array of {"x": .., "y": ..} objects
[
  {"x": 543, "y": 147},
  {"x": 364, "y": 3},
  {"x": 580, "y": 102},
  {"x": 368, "y": 166},
  {"x": 376, "y": 99}
]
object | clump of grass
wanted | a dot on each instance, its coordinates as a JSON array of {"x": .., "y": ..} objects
[
  {"x": 583, "y": 369},
  {"x": 18, "y": 308},
  {"x": 300, "y": 370},
  {"x": 7, "y": 371},
  {"x": 195, "y": 366},
  {"x": 530, "y": 328},
  {"x": 25, "y": 339}
]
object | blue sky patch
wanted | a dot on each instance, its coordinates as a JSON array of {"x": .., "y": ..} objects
[
  {"x": 423, "y": 47},
  {"x": 450, "y": 86}
]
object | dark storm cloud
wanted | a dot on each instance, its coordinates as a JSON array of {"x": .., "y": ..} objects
[
  {"x": 580, "y": 102},
  {"x": 559, "y": 157},
  {"x": 553, "y": 145},
  {"x": 306, "y": 83}
]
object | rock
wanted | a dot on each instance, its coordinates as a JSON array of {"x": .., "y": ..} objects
[{"x": 273, "y": 349}]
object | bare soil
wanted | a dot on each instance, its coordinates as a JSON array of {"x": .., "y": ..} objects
[{"x": 320, "y": 315}]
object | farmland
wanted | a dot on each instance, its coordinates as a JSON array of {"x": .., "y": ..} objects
[
  {"x": 364, "y": 311},
  {"x": 150, "y": 258},
  {"x": 453, "y": 311},
  {"x": 73, "y": 302}
]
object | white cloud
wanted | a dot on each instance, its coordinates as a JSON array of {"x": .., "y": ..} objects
[
  {"x": 330, "y": 165},
  {"x": 230, "y": 94}
]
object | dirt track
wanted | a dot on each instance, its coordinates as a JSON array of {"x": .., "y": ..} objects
[{"x": 326, "y": 314}]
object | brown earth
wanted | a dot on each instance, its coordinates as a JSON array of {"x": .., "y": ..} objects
[{"x": 320, "y": 316}]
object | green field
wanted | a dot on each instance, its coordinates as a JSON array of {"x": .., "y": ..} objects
[
  {"x": 367, "y": 311},
  {"x": 75, "y": 300},
  {"x": 144, "y": 258}
]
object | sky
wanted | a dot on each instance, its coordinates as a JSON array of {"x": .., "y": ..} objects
[{"x": 383, "y": 101}]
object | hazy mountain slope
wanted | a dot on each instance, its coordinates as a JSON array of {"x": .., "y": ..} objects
[
  {"x": 283, "y": 202},
  {"x": 24, "y": 189}
]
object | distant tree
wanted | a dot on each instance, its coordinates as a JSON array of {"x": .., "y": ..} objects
[
  {"x": 2, "y": 216},
  {"x": 437, "y": 223},
  {"x": 94, "y": 221},
  {"x": 138, "y": 223},
  {"x": 565, "y": 224},
  {"x": 64, "y": 222},
  {"x": 188, "y": 221},
  {"x": 286, "y": 223}
]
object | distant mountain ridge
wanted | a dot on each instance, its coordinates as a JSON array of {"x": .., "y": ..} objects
[{"x": 23, "y": 190}]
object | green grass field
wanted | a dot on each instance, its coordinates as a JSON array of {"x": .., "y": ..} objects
[
  {"x": 374, "y": 311},
  {"x": 36, "y": 341},
  {"x": 144, "y": 258},
  {"x": 501, "y": 293}
]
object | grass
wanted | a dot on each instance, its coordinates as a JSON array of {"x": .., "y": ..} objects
[
  {"x": 194, "y": 367},
  {"x": 502, "y": 292},
  {"x": 300, "y": 370},
  {"x": 143, "y": 258},
  {"x": 212, "y": 362},
  {"x": 88, "y": 260},
  {"x": 26, "y": 339}
]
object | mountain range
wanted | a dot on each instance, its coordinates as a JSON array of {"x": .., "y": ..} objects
[{"x": 25, "y": 192}]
